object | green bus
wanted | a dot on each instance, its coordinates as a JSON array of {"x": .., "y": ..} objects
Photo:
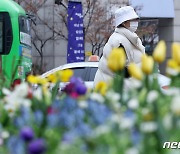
[{"x": 15, "y": 42}]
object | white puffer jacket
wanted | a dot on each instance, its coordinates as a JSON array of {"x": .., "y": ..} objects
[{"x": 132, "y": 45}]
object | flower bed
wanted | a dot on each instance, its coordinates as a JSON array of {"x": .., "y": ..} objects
[{"x": 108, "y": 119}]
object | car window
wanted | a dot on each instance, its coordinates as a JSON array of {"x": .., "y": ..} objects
[
  {"x": 80, "y": 72},
  {"x": 92, "y": 73}
]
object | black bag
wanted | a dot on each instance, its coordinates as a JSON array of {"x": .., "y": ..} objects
[{"x": 126, "y": 73}]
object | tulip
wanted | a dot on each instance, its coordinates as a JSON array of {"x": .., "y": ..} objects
[
  {"x": 69, "y": 88},
  {"x": 135, "y": 71},
  {"x": 52, "y": 78},
  {"x": 116, "y": 59},
  {"x": 16, "y": 82},
  {"x": 159, "y": 53},
  {"x": 33, "y": 79},
  {"x": 81, "y": 89},
  {"x": 172, "y": 64},
  {"x": 147, "y": 64},
  {"x": 101, "y": 87},
  {"x": 65, "y": 75},
  {"x": 148, "y": 117},
  {"x": 27, "y": 134},
  {"x": 43, "y": 81},
  {"x": 37, "y": 147},
  {"x": 172, "y": 67},
  {"x": 176, "y": 52}
]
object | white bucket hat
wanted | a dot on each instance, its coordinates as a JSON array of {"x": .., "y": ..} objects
[{"x": 123, "y": 14}]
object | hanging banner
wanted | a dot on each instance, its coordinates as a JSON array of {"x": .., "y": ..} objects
[{"x": 75, "y": 49}]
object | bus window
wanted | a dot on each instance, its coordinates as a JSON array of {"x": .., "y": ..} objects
[
  {"x": 1, "y": 34},
  {"x": 24, "y": 24},
  {"x": 24, "y": 28},
  {"x": 6, "y": 37}
]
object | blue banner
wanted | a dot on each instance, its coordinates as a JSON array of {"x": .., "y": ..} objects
[{"x": 75, "y": 50}]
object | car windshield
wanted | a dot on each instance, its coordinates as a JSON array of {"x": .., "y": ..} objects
[
  {"x": 85, "y": 73},
  {"x": 92, "y": 73},
  {"x": 79, "y": 72}
]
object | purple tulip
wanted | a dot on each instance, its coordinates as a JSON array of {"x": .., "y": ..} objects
[
  {"x": 27, "y": 134},
  {"x": 81, "y": 89},
  {"x": 69, "y": 88},
  {"x": 76, "y": 80},
  {"x": 36, "y": 146}
]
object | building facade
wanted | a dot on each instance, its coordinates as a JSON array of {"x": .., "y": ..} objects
[
  {"x": 55, "y": 47},
  {"x": 169, "y": 30}
]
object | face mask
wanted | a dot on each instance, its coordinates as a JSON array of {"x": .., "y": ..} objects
[{"x": 133, "y": 26}]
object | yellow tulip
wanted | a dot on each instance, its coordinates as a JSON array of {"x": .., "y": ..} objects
[
  {"x": 176, "y": 52},
  {"x": 65, "y": 75},
  {"x": 116, "y": 59},
  {"x": 147, "y": 64},
  {"x": 101, "y": 87},
  {"x": 52, "y": 78},
  {"x": 148, "y": 116},
  {"x": 159, "y": 53},
  {"x": 43, "y": 81},
  {"x": 173, "y": 64},
  {"x": 135, "y": 71},
  {"x": 33, "y": 79}
]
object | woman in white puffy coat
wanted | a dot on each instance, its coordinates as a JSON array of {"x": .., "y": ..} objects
[{"x": 124, "y": 35}]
